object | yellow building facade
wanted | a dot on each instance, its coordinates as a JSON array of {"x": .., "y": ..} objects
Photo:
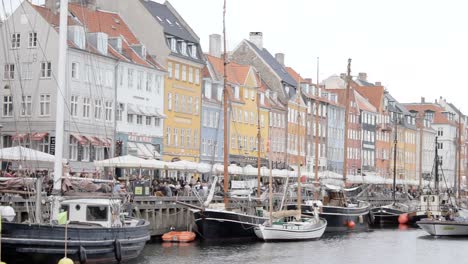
[{"x": 183, "y": 110}]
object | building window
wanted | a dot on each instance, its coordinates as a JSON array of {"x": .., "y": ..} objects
[
  {"x": 139, "y": 120},
  {"x": 149, "y": 82},
  {"x": 197, "y": 106},
  {"x": 157, "y": 121},
  {"x": 182, "y": 137},
  {"x": 130, "y": 78},
  {"x": 173, "y": 45},
  {"x": 74, "y": 105},
  {"x": 85, "y": 154},
  {"x": 169, "y": 101},
  {"x": 26, "y": 105},
  {"x": 43, "y": 145},
  {"x": 189, "y": 104},
  {"x": 148, "y": 120},
  {"x": 139, "y": 80},
  {"x": 73, "y": 148},
  {"x": 108, "y": 106},
  {"x": 129, "y": 118},
  {"x": 44, "y": 104},
  {"x": 184, "y": 73},
  {"x": 26, "y": 70},
  {"x": 236, "y": 92},
  {"x": 9, "y": 72},
  {"x": 194, "y": 51},
  {"x": 75, "y": 70},
  {"x": 177, "y": 71},
  {"x": 183, "y": 48},
  {"x": 176, "y": 137},
  {"x": 86, "y": 107},
  {"x": 169, "y": 70},
  {"x": 97, "y": 109},
  {"x": 168, "y": 136},
  {"x": 32, "y": 40},
  {"x": 15, "y": 40},
  {"x": 176, "y": 102},
  {"x": 189, "y": 134},
  {"x": 190, "y": 75},
  {"x": 195, "y": 138},
  {"x": 88, "y": 73},
  {"x": 46, "y": 69},
  {"x": 197, "y": 76},
  {"x": 120, "y": 110},
  {"x": 440, "y": 145}
]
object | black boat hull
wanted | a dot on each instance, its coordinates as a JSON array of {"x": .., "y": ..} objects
[
  {"x": 341, "y": 219},
  {"x": 225, "y": 225},
  {"x": 35, "y": 243},
  {"x": 384, "y": 216}
]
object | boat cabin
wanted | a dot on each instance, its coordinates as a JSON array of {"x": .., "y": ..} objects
[
  {"x": 103, "y": 212},
  {"x": 334, "y": 196}
]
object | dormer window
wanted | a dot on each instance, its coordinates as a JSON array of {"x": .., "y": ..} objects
[
  {"x": 262, "y": 98},
  {"x": 236, "y": 92},
  {"x": 193, "y": 51},
  {"x": 183, "y": 48},
  {"x": 173, "y": 44}
]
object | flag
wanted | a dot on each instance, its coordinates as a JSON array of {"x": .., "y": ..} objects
[{"x": 62, "y": 218}]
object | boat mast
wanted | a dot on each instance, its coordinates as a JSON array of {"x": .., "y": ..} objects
[
  {"x": 259, "y": 137},
  {"x": 347, "y": 98},
  {"x": 270, "y": 184},
  {"x": 299, "y": 190},
  {"x": 225, "y": 110},
  {"x": 61, "y": 94},
  {"x": 436, "y": 169},
  {"x": 395, "y": 143},
  {"x": 317, "y": 103},
  {"x": 459, "y": 155}
]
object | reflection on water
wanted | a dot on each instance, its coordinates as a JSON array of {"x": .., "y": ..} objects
[{"x": 397, "y": 245}]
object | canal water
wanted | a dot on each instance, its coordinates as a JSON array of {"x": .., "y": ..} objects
[{"x": 395, "y": 246}]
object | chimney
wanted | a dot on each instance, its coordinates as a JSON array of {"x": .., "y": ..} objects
[
  {"x": 215, "y": 45},
  {"x": 91, "y": 4},
  {"x": 53, "y": 5},
  {"x": 362, "y": 76},
  {"x": 257, "y": 39},
  {"x": 280, "y": 58},
  {"x": 378, "y": 83},
  {"x": 423, "y": 100}
]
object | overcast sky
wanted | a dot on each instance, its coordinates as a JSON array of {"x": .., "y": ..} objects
[{"x": 414, "y": 47}]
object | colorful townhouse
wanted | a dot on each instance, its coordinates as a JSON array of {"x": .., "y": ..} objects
[
  {"x": 248, "y": 117},
  {"x": 374, "y": 93},
  {"x": 273, "y": 73},
  {"x": 277, "y": 128},
  {"x": 445, "y": 125},
  {"x": 212, "y": 124},
  {"x": 139, "y": 83},
  {"x": 177, "y": 47},
  {"x": 335, "y": 133}
]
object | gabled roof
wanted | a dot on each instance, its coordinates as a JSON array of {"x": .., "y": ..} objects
[
  {"x": 374, "y": 94},
  {"x": 114, "y": 26},
  {"x": 342, "y": 97},
  {"x": 274, "y": 64},
  {"x": 51, "y": 17},
  {"x": 236, "y": 73},
  {"x": 295, "y": 75},
  {"x": 362, "y": 103},
  {"x": 439, "y": 117},
  {"x": 169, "y": 21}
]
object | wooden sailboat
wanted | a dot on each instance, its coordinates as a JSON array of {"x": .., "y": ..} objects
[
  {"x": 222, "y": 223},
  {"x": 97, "y": 231},
  {"x": 390, "y": 215},
  {"x": 290, "y": 225}
]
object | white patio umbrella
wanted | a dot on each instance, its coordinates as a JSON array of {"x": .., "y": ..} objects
[
  {"x": 19, "y": 153},
  {"x": 130, "y": 161}
]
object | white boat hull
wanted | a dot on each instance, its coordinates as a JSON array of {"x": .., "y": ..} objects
[
  {"x": 289, "y": 233},
  {"x": 444, "y": 228}
]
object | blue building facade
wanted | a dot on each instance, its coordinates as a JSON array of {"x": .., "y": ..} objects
[{"x": 335, "y": 138}]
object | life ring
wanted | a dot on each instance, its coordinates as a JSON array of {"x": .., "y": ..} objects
[{"x": 118, "y": 250}]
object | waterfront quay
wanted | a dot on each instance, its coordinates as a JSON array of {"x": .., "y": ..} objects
[{"x": 163, "y": 213}]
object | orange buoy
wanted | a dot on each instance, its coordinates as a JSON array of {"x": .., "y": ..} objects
[
  {"x": 351, "y": 224},
  {"x": 403, "y": 219},
  {"x": 178, "y": 236}
]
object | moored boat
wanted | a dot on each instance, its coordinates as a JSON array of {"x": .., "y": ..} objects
[
  {"x": 388, "y": 215},
  {"x": 179, "y": 236},
  {"x": 435, "y": 227},
  {"x": 97, "y": 233}
]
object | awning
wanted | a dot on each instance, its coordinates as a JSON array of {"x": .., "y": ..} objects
[
  {"x": 81, "y": 139},
  {"x": 145, "y": 152},
  {"x": 132, "y": 110},
  {"x": 19, "y": 136},
  {"x": 143, "y": 111},
  {"x": 152, "y": 150},
  {"x": 38, "y": 136},
  {"x": 107, "y": 142},
  {"x": 142, "y": 150},
  {"x": 93, "y": 140}
]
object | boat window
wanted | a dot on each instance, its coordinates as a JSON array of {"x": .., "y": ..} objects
[
  {"x": 96, "y": 213},
  {"x": 77, "y": 207}
]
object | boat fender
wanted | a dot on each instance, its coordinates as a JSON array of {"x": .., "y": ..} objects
[
  {"x": 65, "y": 261},
  {"x": 82, "y": 255},
  {"x": 361, "y": 219},
  {"x": 118, "y": 250}
]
